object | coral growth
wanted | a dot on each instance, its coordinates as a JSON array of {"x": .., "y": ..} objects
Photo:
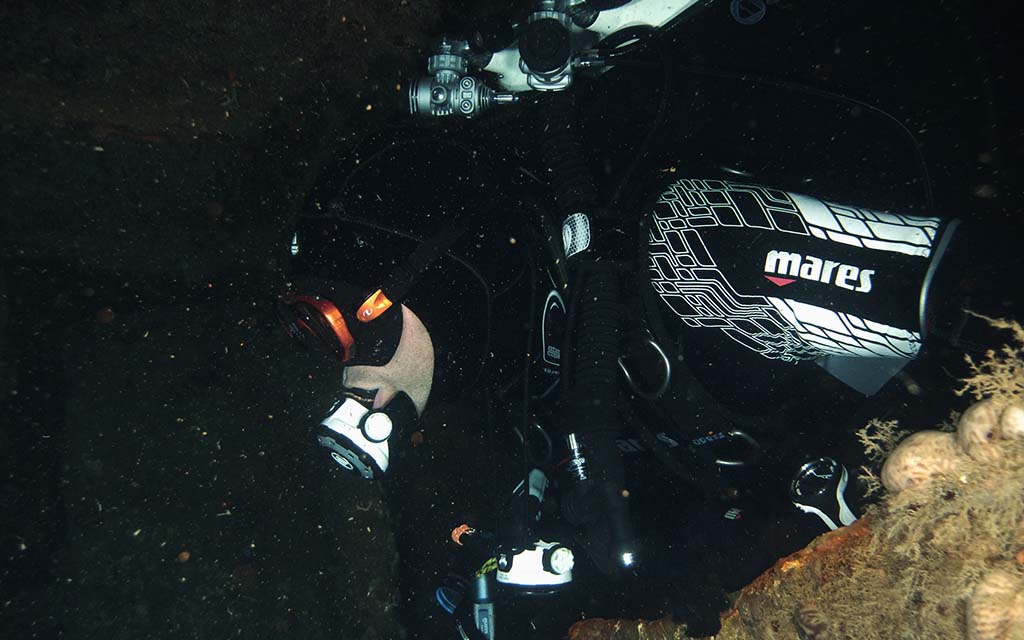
[
  {"x": 978, "y": 429},
  {"x": 1000, "y": 376},
  {"x": 996, "y": 608},
  {"x": 1011, "y": 424},
  {"x": 919, "y": 458},
  {"x": 812, "y": 623},
  {"x": 879, "y": 438},
  {"x": 947, "y": 530},
  {"x": 941, "y": 556}
]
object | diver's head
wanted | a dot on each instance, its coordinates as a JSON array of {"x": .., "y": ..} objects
[
  {"x": 388, "y": 360},
  {"x": 410, "y": 369}
]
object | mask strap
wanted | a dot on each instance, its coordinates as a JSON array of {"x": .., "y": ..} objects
[{"x": 400, "y": 281}]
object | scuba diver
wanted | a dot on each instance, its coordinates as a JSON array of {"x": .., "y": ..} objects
[{"x": 608, "y": 309}]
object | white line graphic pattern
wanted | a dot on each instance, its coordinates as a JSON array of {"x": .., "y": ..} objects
[{"x": 688, "y": 280}]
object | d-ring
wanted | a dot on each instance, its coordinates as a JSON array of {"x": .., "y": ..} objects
[
  {"x": 663, "y": 387},
  {"x": 746, "y": 437}
]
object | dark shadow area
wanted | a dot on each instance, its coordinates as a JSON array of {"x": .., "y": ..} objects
[{"x": 158, "y": 476}]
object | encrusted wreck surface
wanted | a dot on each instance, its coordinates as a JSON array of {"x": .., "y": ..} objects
[{"x": 941, "y": 556}]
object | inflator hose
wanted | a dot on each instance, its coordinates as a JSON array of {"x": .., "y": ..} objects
[
  {"x": 593, "y": 339},
  {"x": 599, "y": 325},
  {"x": 563, "y": 156},
  {"x": 589, "y": 409}
]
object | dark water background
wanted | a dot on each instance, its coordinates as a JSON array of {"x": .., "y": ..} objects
[{"x": 145, "y": 392}]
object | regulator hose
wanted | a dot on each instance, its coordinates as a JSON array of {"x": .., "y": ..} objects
[
  {"x": 599, "y": 500},
  {"x": 599, "y": 325},
  {"x": 595, "y": 322},
  {"x": 562, "y": 153}
]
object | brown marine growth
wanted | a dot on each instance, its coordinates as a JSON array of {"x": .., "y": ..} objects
[{"x": 941, "y": 556}]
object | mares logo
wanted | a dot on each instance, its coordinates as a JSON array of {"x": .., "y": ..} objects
[{"x": 778, "y": 264}]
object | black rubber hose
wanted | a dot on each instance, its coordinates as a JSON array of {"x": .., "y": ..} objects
[
  {"x": 563, "y": 156},
  {"x": 593, "y": 389},
  {"x": 595, "y": 323},
  {"x": 599, "y": 326},
  {"x": 599, "y": 502}
]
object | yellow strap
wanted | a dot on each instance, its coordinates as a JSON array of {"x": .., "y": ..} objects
[{"x": 490, "y": 565}]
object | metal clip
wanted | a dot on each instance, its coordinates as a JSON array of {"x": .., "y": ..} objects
[
  {"x": 663, "y": 387},
  {"x": 746, "y": 437}
]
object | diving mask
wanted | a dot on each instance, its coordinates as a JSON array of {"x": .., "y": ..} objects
[{"x": 389, "y": 366}]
